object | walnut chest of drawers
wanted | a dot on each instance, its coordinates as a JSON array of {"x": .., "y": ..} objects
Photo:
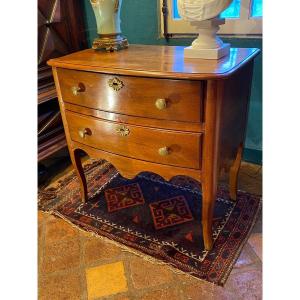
[{"x": 147, "y": 108}]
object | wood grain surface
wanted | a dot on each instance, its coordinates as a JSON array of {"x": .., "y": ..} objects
[
  {"x": 129, "y": 167},
  {"x": 136, "y": 97},
  {"x": 156, "y": 61},
  {"x": 141, "y": 121},
  {"x": 141, "y": 142}
]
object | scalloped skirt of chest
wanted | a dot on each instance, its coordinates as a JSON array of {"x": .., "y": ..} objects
[
  {"x": 166, "y": 99},
  {"x": 168, "y": 147}
]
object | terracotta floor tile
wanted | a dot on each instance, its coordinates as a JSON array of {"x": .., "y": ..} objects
[
  {"x": 246, "y": 284},
  {"x": 86, "y": 234},
  {"x": 255, "y": 241},
  {"x": 247, "y": 257},
  {"x": 40, "y": 217},
  {"x": 250, "y": 185},
  {"x": 40, "y": 236},
  {"x": 59, "y": 230},
  {"x": 251, "y": 169},
  {"x": 163, "y": 294},
  {"x": 194, "y": 289},
  {"x": 145, "y": 274},
  {"x": 96, "y": 249},
  {"x": 250, "y": 178},
  {"x": 206, "y": 291},
  {"x": 257, "y": 228},
  {"x": 48, "y": 217},
  {"x": 60, "y": 287},
  {"x": 121, "y": 297},
  {"x": 106, "y": 280},
  {"x": 40, "y": 245},
  {"x": 61, "y": 256}
]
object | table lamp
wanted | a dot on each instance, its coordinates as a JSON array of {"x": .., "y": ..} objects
[{"x": 107, "y": 13}]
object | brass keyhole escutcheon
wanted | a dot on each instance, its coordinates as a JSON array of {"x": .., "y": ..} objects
[
  {"x": 115, "y": 83},
  {"x": 164, "y": 151},
  {"x": 161, "y": 104},
  {"x": 122, "y": 130}
]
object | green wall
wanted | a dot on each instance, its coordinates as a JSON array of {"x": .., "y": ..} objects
[{"x": 140, "y": 19}]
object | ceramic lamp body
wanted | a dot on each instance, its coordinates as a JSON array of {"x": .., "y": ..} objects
[
  {"x": 107, "y": 13},
  {"x": 203, "y": 14}
]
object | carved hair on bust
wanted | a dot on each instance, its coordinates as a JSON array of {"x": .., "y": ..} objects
[{"x": 199, "y": 10}]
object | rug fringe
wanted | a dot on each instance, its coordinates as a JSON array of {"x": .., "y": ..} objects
[
  {"x": 125, "y": 248},
  {"x": 238, "y": 252}
]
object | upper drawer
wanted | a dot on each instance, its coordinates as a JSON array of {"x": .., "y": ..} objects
[
  {"x": 178, "y": 100},
  {"x": 145, "y": 143}
]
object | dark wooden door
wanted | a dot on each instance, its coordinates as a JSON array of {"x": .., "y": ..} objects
[{"x": 60, "y": 31}]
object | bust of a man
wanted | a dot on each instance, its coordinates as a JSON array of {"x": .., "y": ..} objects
[{"x": 204, "y": 14}]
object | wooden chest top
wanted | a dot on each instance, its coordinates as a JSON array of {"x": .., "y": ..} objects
[{"x": 156, "y": 61}]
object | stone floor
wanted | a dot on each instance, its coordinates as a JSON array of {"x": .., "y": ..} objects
[{"x": 75, "y": 265}]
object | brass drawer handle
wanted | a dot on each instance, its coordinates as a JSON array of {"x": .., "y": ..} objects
[
  {"x": 115, "y": 83},
  {"x": 122, "y": 130},
  {"x": 161, "y": 104},
  {"x": 77, "y": 89},
  {"x": 83, "y": 132},
  {"x": 164, "y": 151}
]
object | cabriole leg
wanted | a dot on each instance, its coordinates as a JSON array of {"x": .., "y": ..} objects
[
  {"x": 208, "y": 202},
  {"x": 234, "y": 172},
  {"x": 75, "y": 158}
]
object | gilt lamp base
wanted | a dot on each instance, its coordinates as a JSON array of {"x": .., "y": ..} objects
[
  {"x": 110, "y": 42},
  {"x": 190, "y": 52}
]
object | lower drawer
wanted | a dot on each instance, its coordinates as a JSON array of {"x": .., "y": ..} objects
[{"x": 161, "y": 146}]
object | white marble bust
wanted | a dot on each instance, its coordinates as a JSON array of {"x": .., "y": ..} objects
[{"x": 204, "y": 14}]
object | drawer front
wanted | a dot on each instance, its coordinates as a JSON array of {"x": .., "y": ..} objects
[
  {"x": 178, "y": 100},
  {"x": 144, "y": 143}
]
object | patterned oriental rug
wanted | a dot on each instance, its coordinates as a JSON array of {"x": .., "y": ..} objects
[{"x": 156, "y": 218}]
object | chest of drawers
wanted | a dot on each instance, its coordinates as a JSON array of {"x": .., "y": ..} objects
[{"x": 147, "y": 108}]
